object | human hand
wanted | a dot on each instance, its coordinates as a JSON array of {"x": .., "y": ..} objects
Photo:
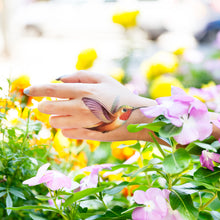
[{"x": 73, "y": 116}]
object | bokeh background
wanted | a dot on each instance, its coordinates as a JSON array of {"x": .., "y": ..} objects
[{"x": 43, "y": 39}]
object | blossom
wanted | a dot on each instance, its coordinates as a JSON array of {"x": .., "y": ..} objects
[
  {"x": 161, "y": 86},
  {"x": 91, "y": 180},
  {"x": 125, "y": 152},
  {"x": 53, "y": 179},
  {"x": 155, "y": 205},
  {"x": 126, "y": 19},
  {"x": 207, "y": 158},
  {"x": 20, "y": 83},
  {"x": 171, "y": 107},
  {"x": 86, "y": 59},
  {"x": 186, "y": 111},
  {"x": 159, "y": 64}
]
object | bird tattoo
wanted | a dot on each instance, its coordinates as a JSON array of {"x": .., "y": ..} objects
[{"x": 109, "y": 120}]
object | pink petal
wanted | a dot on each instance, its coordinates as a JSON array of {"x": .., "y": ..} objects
[
  {"x": 32, "y": 181},
  {"x": 41, "y": 171},
  {"x": 140, "y": 196},
  {"x": 153, "y": 111},
  {"x": 166, "y": 194},
  {"x": 154, "y": 216},
  {"x": 152, "y": 193},
  {"x": 139, "y": 214},
  {"x": 215, "y": 157}
]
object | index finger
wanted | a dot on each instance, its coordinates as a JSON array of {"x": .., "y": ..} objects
[{"x": 59, "y": 90}]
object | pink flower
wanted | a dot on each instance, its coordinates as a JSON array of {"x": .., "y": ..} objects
[
  {"x": 155, "y": 205},
  {"x": 196, "y": 124},
  {"x": 91, "y": 181},
  {"x": 183, "y": 110},
  {"x": 52, "y": 178},
  {"x": 207, "y": 158},
  {"x": 171, "y": 107}
]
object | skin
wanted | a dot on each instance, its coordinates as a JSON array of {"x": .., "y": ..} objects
[{"x": 72, "y": 116}]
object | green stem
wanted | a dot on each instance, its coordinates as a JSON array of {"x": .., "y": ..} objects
[
  {"x": 209, "y": 202},
  {"x": 55, "y": 203},
  {"x": 158, "y": 145}
]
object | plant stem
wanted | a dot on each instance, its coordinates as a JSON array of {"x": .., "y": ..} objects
[
  {"x": 209, "y": 202},
  {"x": 55, "y": 203},
  {"x": 158, "y": 145}
]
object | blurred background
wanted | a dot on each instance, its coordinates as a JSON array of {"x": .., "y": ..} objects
[{"x": 43, "y": 39}]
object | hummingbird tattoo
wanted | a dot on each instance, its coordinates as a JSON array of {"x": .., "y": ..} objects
[{"x": 109, "y": 120}]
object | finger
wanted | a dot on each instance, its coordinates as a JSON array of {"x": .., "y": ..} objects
[
  {"x": 83, "y": 77},
  {"x": 86, "y": 134},
  {"x": 60, "y": 107},
  {"x": 73, "y": 121},
  {"x": 59, "y": 90}
]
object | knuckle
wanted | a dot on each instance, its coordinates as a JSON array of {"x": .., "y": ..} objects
[
  {"x": 45, "y": 107},
  {"x": 50, "y": 90}
]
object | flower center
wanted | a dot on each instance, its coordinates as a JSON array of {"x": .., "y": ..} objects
[{"x": 149, "y": 206}]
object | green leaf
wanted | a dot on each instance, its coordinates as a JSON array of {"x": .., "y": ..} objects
[
  {"x": 218, "y": 195},
  {"x": 36, "y": 217},
  {"x": 204, "y": 216},
  {"x": 136, "y": 146},
  {"x": 44, "y": 198},
  {"x": 154, "y": 126},
  {"x": 9, "y": 203},
  {"x": 205, "y": 146},
  {"x": 16, "y": 193},
  {"x": 177, "y": 162},
  {"x": 183, "y": 202},
  {"x": 2, "y": 193},
  {"x": 117, "y": 188},
  {"x": 169, "y": 130},
  {"x": 48, "y": 208},
  {"x": 2, "y": 188},
  {"x": 124, "y": 166},
  {"x": 79, "y": 195},
  {"x": 206, "y": 175}
]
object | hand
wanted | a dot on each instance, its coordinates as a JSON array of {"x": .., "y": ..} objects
[{"x": 73, "y": 116}]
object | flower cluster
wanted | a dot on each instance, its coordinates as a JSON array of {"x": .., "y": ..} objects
[{"x": 183, "y": 111}]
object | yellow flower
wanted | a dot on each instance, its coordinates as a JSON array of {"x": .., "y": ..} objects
[
  {"x": 159, "y": 64},
  {"x": 20, "y": 84},
  {"x": 210, "y": 84},
  {"x": 161, "y": 86},
  {"x": 5, "y": 103},
  {"x": 60, "y": 143},
  {"x": 80, "y": 161},
  {"x": 86, "y": 59},
  {"x": 93, "y": 145},
  {"x": 126, "y": 19},
  {"x": 122, "y": 153},
  {"x": 41, "y": 117},
  {"x": 118, "y": 74}
]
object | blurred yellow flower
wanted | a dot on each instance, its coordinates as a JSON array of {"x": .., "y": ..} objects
[
  {"x": 161, "y": 86},
  {"x": 20, "y": 84},
  {"x": 86, "y": 59},
  {"x": 6, "y": 104},
  {"x": 179, "y": 51},
  {"x": 60, "y": 143},
  {"x": 41, "y": 117},
  {"x": 159, "y": 64},
  {"x": 93, "y": 145},
  {"x": 210, "y": 84},
  {"x": 118, "y": 74},
  {"x": 122, "y": 153},
  {"x": 80, "y": 161},
  {"x": 127, "y": 19}
]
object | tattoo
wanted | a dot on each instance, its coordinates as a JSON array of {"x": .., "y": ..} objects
[{"x": 109, "y": 120}]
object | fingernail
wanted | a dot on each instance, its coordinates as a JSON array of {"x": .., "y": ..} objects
[
  {"x": 59, "y": 78},
  {"x": 26, "y": 91}
]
